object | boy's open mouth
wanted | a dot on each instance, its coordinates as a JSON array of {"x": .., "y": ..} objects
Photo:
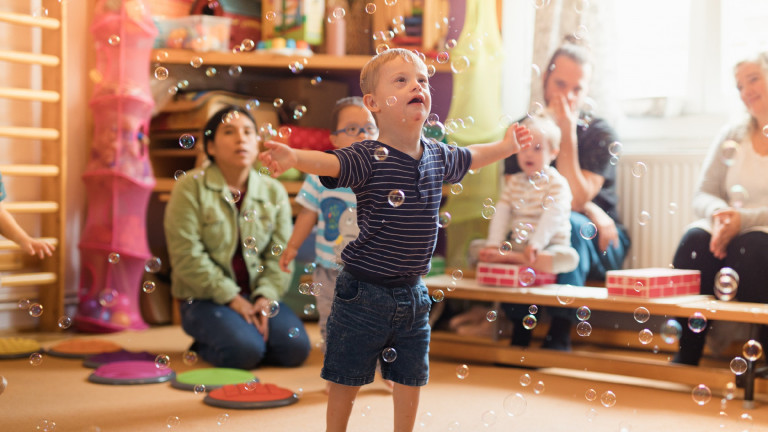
[{"x": 416, "y": 99}]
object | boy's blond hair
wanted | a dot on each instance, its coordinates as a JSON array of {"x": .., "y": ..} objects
[
  {"x": 546, "y": 126},
  {"x": 369, "y": 75}
]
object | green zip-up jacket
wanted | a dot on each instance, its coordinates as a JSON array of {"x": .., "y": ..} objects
[{"x": 201, "y": 230}]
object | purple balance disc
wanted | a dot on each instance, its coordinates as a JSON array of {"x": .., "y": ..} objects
[
  {"x": 130, "y": 372},
  {"x": 96, "y": 360}
]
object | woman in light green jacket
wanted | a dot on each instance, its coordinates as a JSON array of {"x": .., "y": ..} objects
[{"x": 226, "y": 226}]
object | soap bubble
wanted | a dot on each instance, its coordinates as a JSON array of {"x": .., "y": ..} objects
[
  {"x": 172, "y": 421},
  {"x": 462, "y": 372},
  {"x": 113, "y": 258},
  {"x": 438, "y": 295},
  {"x": 697, "y": 322},
  {"x": 643, "y": 218},
  {"x": 701, "y": 394},
  {"x": 24, "y": 304},
  {"x": 525, "y": 380},
  {"x": 729, "y": 150},
  {"x": 639, "y": 169},
  {"x": 456, "y": 188},
  {"x": 310, "y": 268},
  {"x": 284, "y": 132},
  {"x": 152, "y": 265},
  {"x": 211, "y": 72},
  {"x": 198, "y": 389},
  {"x": 530, "y": 321},
  {"x": 442, "y": 57},
  {"x": 161, "y": 73},
  {"x": 608, "y": 399},
  {"x": 35, "y": 359},
  {"x": 752, "y": 350},
  {"x": 370, "y": 8},
  {"x": 108, "y": 297},
  {"x": 726, "y": 283},
  {"x": 179, "y": 174},
  {"x": 488, "y": 418},
  {"x": 515, "y": 405},
  {"x": 615, "y": 148},
  {"x": 443, "y": 219},
  {"x": 538, "y": 388},
  {"x": 425, "y": 420},
  {"x": 196, "y": 62},
  {"x": 645, "y": 336},
  {"x": 271, "y": 309},
  {"x": 588, "y": 231},
  {"x": 583, "y": 313},
  {"x": 488, "y": 212},
  {"x": 565, "y": 295},
  {"x": 35, "y": 310},
  {"x": 584, "y": 329},
  {"x": 234, "y": 71},
  {"x": 396, "y": 198},
  {"x": 148, "y": 287},
  {"x": 638, "y": 286},
  {"x": 539, "y": 180},
  {"x": 294, "y": 333},
  {"x": 234, "y": 197},
  {"x": 527, "y": 276},
  {"x": 162, "y": 361},
  {"x": 737, "y": 196},
  {"x": 536, "y": 109},
  {"x": 304, "y": 288},
  {"x": 457, "y": 274},
  {"x": 46, "y": 426},
  {"x": 642, "y": 315},
  {"x": 276, "y": 250},
  {"x": 380, "y": 153},
  {"x": 392, "y": 100},
  {"x": 491, "y": 315},
  {"x": 738, "y": 365},
  {"x": 670, "y": 331},
  {"x": 65, "y": 322},
  {"x": 505, "y": 248},
  {"x": 389, "y": 355},
  {"x": 590, "y": 395},
  {"x": 533, "y": 309},
  {"x": 189, "y": 357},
  {"x": 459, "y": 64},
  {"x": 3, "y": 384},
  {"x": 309, "y": 309}
]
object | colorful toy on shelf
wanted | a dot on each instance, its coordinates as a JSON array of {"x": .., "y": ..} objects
[
  {"x": 118, "y": 177},
  {"x": 288, "y": 47}
]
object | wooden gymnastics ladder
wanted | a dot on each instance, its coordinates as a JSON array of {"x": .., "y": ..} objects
[{"x": 31, "y": 278}]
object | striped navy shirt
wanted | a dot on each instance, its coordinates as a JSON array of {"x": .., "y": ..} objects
[{"x": 396, "y": 241}]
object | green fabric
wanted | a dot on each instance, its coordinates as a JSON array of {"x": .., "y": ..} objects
[
  {"x": 476, "y": 95},
  {"x": 214, "y": 376},
  {"x": 201, "y": 230}
]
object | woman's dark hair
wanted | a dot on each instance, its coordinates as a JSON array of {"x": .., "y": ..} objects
[
  {"x": 573, "y": 48},
  {"x": 209, "y": 132}
]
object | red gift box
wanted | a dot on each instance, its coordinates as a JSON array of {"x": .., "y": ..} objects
[
  {"x": 508, "y": 275},
  {"x": 653, "y": 282}
]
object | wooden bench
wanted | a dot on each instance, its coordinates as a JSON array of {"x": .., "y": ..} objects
[{"x": 450, "y": 345}]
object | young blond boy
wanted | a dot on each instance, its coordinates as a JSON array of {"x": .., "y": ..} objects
[{"x": 381, "y": 306}]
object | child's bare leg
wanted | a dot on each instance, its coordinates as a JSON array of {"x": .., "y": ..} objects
[
  {"x": 406, "y": 402},
  {"x": 340, "y": 401}
]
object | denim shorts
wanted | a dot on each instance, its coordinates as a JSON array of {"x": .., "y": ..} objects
[{"x": 367, "y": 321}]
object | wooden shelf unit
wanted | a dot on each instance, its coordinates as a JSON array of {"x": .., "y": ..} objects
[{"x": 45, "y": 278}]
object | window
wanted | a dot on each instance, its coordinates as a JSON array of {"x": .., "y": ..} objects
[{"x": 682, "y": 53}]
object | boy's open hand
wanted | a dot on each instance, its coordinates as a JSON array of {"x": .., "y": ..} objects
[
  {"x": 37, "y": 247},
  {"x": 278, "y": 157},
  {"x": 517, "y": 137}
]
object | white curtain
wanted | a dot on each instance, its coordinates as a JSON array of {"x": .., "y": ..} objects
[{"x": 593, "y": 22}]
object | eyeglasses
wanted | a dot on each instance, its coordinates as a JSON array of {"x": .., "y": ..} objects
[{"x": 354, "y": 130}]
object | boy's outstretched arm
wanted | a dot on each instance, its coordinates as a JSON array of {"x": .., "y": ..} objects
[
  {"x": 11, "y": 230},
  {"x": 279, "y": 157},
  {"x": 515, "y": 138}
]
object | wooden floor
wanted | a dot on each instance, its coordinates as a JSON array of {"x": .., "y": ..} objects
[{"x": 555, "y": 400}]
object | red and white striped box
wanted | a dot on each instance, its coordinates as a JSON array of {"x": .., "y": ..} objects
[
  {"x": 508, "y": 275},
  {"x": 653, "y": 282}
]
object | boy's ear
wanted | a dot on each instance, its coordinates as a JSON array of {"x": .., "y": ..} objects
[{"x": 370, "y": 103}]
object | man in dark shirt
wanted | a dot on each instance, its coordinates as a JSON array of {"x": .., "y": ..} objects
[{"x": 585, "y": 161}]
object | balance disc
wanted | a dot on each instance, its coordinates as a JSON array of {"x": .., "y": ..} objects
[
  {"x": 16, "y": 347},
  {"x": 81, "y": 348},
  {"x": 211, "y": 378},
  {"x": 250, "y": 396},
  {"x": 95, "y": 360},
  {"x": 129, "y": 373}
]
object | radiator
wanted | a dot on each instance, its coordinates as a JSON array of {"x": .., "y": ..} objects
[{"x": 664, "y": 192}]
